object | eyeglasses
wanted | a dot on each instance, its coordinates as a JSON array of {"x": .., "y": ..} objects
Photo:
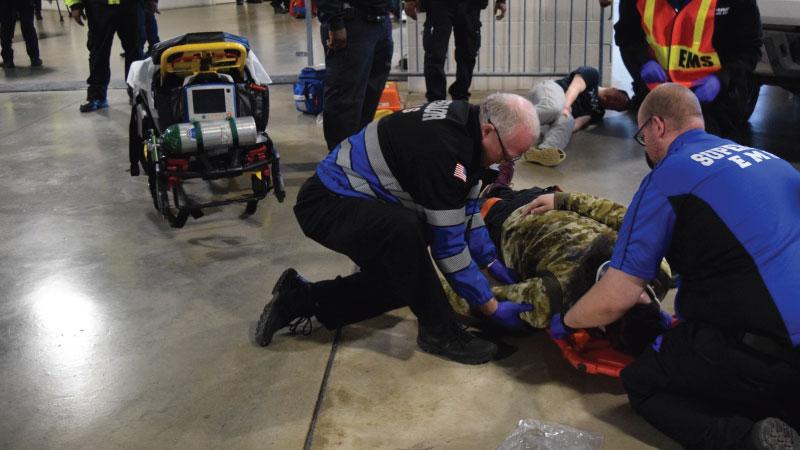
[
  {"x": 639, "y": 136},
  {"x": 506, "y": 156}
]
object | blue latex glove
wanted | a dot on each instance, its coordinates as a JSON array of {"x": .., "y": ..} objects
[
  {"x": 653, "y": 73},
  {"x": 501, "y": 273},
  {"x": 507, "y": 315},
  {"x": 558, "y": 329},
  {"x": 706, "y": 88}
]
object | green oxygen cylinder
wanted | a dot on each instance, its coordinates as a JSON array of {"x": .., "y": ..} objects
[{"x": 209, "y": 135}]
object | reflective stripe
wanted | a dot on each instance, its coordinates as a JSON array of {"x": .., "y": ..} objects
[
  {"x": 684, "y": 61},
  {"x": 385, "y": 176},
  {"x": 358, "y": 183},
  {"x": 661, "y": 51},
  {"x": 455, "y": 263},
  {"x": 699, "y": 24},
  {"x": 445, "y": 217},
  {"x": 378, "y": 163},
  {"x": 475, "y": 221}
]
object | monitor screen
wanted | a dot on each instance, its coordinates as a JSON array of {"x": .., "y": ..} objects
[{"x": 207, "y": 101}]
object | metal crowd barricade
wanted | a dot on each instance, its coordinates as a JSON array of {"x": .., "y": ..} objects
[{"x": 537, "y": 38}]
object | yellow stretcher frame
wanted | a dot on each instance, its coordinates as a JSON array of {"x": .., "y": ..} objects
[{"x": 191, "y": 59}]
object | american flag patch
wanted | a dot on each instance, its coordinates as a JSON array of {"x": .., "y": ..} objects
[{"x": 460, "y": 172}]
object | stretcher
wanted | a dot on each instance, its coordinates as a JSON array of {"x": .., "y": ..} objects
[
  {"x": 200, "y": 111},
  {"x": 600, "y": 352}
]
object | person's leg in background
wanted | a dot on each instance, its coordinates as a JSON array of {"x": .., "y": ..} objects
[
  {"x": 703, "y": 390},
  {"x": 141, "y": 18},
  {"x": 25, "y": 10},
  {"x": 728, "y": 114},
  {"x": 128, "y": 27},
  {"x": 37, "y": 9},
  {"x": 8, "y": 22},
  {"x": 346, "y": 79},
  {"x": 548, "y": 98},
  {"x": 467, "y": 36},
  {"x": 151, "y": 31},
  {"x": 100, "y": 20},
  {"x": 435, "y": 39},
  {"x": 379, "y": 73}
]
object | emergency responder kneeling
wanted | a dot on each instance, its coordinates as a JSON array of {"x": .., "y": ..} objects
[
  {"x": 387, "y": 194},
  {"x": 725, "y": 216}
]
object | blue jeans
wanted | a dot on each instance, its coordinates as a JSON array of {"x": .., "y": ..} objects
[{"x": 356, "y": 76}]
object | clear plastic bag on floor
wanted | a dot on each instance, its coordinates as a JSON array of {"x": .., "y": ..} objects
[{"x": 537, "y": 435}]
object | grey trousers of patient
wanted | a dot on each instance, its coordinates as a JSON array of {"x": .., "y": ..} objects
[{"x": 548, "y": 98}]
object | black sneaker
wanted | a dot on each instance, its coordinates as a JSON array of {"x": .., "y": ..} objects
[
  {"x": 455, "y": 343},
  {"x": 8, "y": 64},
  {"x": 279, "y": 9},
  {"x": 36, "y": 62},
  {"x": 773, "y": 434},
  {"x": 291, "y": 306},
  {"x": 93, "y": 105}
]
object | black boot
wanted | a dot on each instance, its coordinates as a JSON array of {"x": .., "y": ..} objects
[
  {"x": 454, "y": 342},
  {"x": 291, "y": 306},
  {"x": 279, "y": 8},
  {"x": 772, "y": 433}
]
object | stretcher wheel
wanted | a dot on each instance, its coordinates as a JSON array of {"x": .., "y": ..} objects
[
  {"x": 158, "y": 191},
  {"x": 179, "y": 220},
  {"x": 252, "y": 205},
  {"x": 259, "y": 185}
]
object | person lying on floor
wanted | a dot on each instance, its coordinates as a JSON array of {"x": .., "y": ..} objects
[
  {"x": 567, "y": 105},
  {"x": 557, "y": 255}
]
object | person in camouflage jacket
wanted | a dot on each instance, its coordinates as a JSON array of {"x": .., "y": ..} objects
[{"x": 556, "y": 254}]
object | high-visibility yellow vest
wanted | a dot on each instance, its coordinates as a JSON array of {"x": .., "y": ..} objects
[
  {"x": 681, "y": 41},
  {"x": 69, "y": 3}
]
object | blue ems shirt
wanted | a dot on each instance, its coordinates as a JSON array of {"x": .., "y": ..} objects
[{"x": 727, "y": 218}]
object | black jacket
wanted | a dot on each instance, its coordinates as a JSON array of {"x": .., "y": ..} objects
[{"x": 737, "y": 39}]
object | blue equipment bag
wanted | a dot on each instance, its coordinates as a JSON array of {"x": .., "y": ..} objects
[{"x": 309, "y": 89}]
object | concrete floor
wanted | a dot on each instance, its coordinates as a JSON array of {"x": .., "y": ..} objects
[{"x": 117, "y": 331}]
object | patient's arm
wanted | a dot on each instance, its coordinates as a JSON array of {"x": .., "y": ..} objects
[
  {"x": 606, "y": 301},
  {"x": 600, "y": 209}
]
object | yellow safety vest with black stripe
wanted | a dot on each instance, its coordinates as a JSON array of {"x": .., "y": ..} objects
[
  {"x": 70, "y": 3},
  {"x": 681, "y": 41}
]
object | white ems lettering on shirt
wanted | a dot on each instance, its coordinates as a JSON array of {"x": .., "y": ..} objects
[{"x": 732, "y": 153}]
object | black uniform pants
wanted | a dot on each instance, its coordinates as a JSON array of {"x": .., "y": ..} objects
[
  {"x": 706, "y": 389},
  {"x": 727, "y": 115},
  {"x": 355, "y": 75},
  {"x": 9, "y": 9},
  {"x": 104, "y": 21},
  {"x": 462, "y": 18},
  {"x": 389, "y": 245}
]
